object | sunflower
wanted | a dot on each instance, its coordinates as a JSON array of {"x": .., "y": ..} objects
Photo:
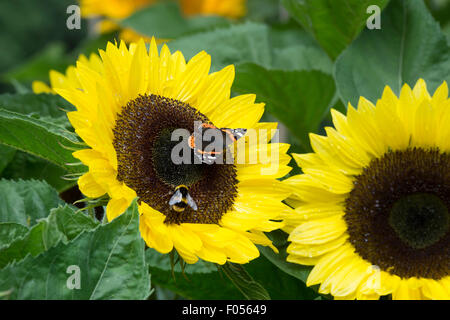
[
  {"x": 120, "y": 9},
  {"x": 230, "y": 8},
  {"x": 128, "y": 103},
  {"x": 114, "y": 9},
  {"x": 372, "y": 205}
]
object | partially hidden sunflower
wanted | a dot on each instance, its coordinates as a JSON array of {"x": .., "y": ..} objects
[
  {"x": 372, "y": 205},
  {"x": 230, "y": 8},
  {"x": 112, "y": 10},
  {"x": 128, "y": 103}
]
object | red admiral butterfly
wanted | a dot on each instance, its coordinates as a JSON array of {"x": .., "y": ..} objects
[{"x": 203, "y": 150}]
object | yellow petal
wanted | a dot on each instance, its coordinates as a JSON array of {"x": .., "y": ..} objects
[
  {"x": 193, "y": 78},
  {"x": 215, "y": 91},
  {"x": 89, "y": 187},
  {"x": 318, "y": 231},
  {"x": 420, "y": 90},
  {"x": 327, "y": 264},
  {"x": 154, "y": 230},
  {"x": 41, "y": 87},
  {"x": 116, "y": 207}
]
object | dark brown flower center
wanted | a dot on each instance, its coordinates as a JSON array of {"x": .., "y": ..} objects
[
  {"x": 420, "y": 220},
  {"x": 398, "y": 213},
  {"x": 143, "y": 143}
]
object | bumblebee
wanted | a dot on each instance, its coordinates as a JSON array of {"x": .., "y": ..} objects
[{"x": 181, "y": 199}]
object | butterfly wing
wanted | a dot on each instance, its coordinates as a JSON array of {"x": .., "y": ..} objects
[
  {"x": 238, "y": 133},
  {"x": 229, "y": 137},
  {"x": 205, "y": 157},
  {"x": 233, "y": 135},
  {"x": 209, "y": 158}
]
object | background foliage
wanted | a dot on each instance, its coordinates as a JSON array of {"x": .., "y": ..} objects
[{"x": 300, "y": 57}]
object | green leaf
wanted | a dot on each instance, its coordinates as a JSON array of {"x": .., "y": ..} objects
[
  {"x": 300, "y": 99},
  {"x": 10, "y": 232},
  {"x": 263, "y": 10},
  {"x": 6, "y": 155},
  {"x": 248, "y": 42},
  {"x": 63, "y": 224},
  {"x": 71, "y": 223},
  {"x": 334, "y": 23},
  {"x": 279, "y": 239},
  {"x": 251, "y": 289},
  {"x": 202, "y": 279},
  {"x": 280, "y": 47},
  {"x": 301, "y": 57},
  {"x": 18, "y": 165},
  {"x": 295, "y": 49},
  {"x": 279, "y": 285},
  {"x": 165, "y": 21},
  {"x": 38, "y": 137},
  {"x": 36, "y": 241},
  {"x": 25, "y": 202},
  {"x": 28, "y": 167},
  {"x": 110, "y": 259},
  {"x": 199, "y": 281},
  {"x": 409, "y": 46},
  {"x": 47, "y": 106}
]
